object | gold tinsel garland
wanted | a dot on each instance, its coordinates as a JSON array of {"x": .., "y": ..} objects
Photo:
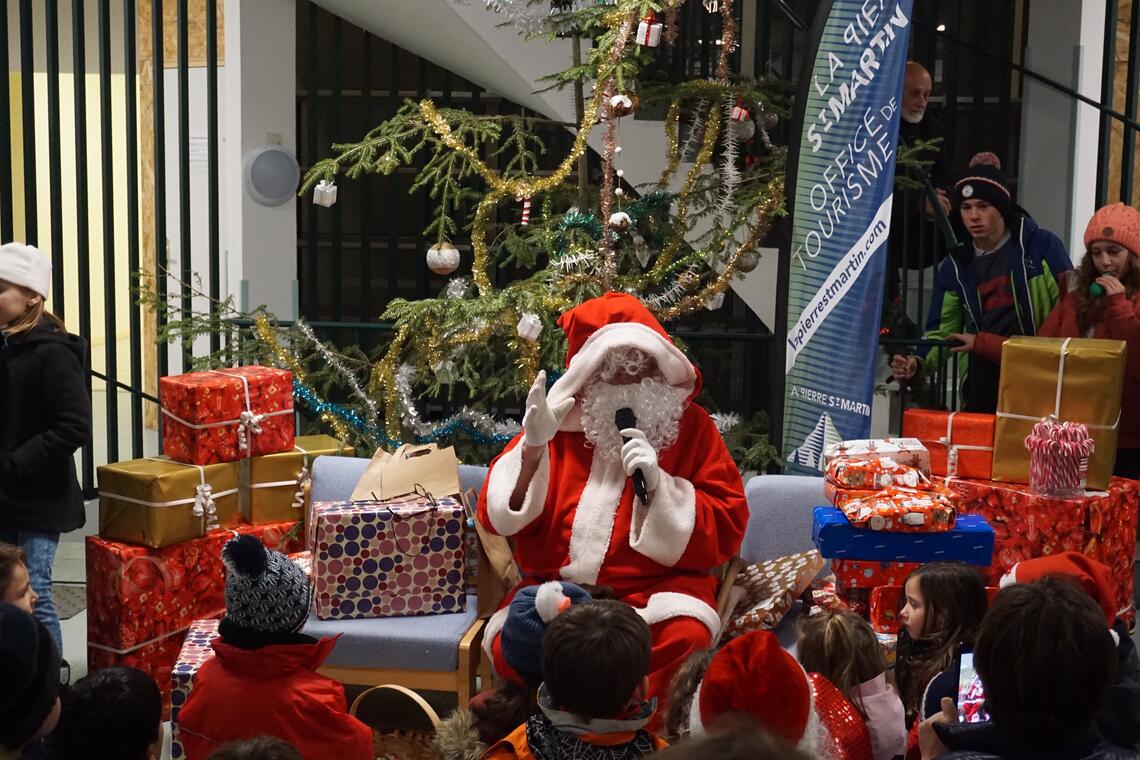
[
  {"x": 765, "y": 213},
  {"x": 708, "y": 144},
  {"x": 501, "y": 187},
  {"x": 673, "y": 140}
]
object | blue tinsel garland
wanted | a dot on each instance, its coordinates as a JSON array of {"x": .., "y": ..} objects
[{"x": 376, "y": 435}]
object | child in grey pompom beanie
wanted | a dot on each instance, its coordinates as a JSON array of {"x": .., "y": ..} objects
[{"x": 265, "y": 590}]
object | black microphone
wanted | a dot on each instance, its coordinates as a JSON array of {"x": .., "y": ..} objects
[{"x": 625, "y": 418}]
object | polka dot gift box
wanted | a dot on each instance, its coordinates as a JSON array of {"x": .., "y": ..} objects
[
  {"x": 403, "y": 556},
  {"x": 196, "y": 650}
]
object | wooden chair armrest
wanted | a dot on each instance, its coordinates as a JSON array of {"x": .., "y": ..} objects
[{"x": 722, "y": 595}]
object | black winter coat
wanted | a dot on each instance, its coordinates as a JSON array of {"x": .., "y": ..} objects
[{"x": 45, "y": 417}]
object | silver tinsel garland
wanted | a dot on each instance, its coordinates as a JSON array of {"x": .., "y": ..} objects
[
  {"x": 729, "y": 173},
  {"x": 481, "y": 421},
  {"x": 334, "y": 361}
]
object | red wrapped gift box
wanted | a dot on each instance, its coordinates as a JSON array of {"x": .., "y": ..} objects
[
  {"x": 155, "y": 658},
  {"x": 1100, "y": 525},
  {"x": 858, "y": 573},
  {"x": 286, "y": 537},
  {"x": 141, "y": 601},
  {"x": 136, "y": 594},
  {"x": 225, "y": 415},
  {"x": 970, "y": 435}
]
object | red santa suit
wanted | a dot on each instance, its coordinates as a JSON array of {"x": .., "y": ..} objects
[{"x": 579, "y": 520}]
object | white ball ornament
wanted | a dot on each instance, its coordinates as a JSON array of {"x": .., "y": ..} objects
[
  {"x": 620, "y": 221},
  {"x": 443, "y": 258},
  {"x": 619, "y": 192}
]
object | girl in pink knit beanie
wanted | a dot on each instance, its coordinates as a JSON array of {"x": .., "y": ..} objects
[{"x": 1105, "y": 303}]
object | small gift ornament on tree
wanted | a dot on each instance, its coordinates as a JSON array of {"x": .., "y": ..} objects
[
  {"x": 324, "y": 194},
  {"x": 649, "y": 31},
  {"x": 529, "y": 327}
]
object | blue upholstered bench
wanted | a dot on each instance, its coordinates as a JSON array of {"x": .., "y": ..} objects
[
  {"x": 430, "y": 652},
  {"x": 779, "y": 523}
]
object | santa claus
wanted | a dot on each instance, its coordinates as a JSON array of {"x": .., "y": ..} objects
[{"x": 563, "y": 489}]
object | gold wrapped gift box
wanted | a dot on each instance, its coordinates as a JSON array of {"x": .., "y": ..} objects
[
  {"x": 1073, "y": 379},
  {"x": 272, "y": 486},
  {"x": 158, "y": 502}
]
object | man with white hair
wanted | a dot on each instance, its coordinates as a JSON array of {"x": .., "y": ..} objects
[
  {"x": 912, "y": 210},
  {"x": 564, "y": 489}
]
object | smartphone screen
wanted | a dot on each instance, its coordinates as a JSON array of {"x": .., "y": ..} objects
[{"x": 971, "y": 697}]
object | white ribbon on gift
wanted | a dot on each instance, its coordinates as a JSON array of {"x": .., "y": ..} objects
[
  {"x": 952, "y": 449},
  {"x": 1057, "y": 399},
  {"x": 248, "y": 422},
  {"x": 304, "y": 477}
]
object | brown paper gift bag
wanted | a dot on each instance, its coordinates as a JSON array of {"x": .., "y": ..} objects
[
  {"x": 1071, "y": 379},
  {"x": 272, "y": 485},
  {"x": 498, "y": 572},
  {"x": 157, "y": 502},
  {"x": 409, "y": 468}
]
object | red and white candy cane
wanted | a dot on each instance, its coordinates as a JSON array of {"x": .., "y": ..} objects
[
  {"x": 1058, "y": 456},
  {"x": 526, "y": 210}
]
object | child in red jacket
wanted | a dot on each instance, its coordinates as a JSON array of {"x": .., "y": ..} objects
[
  {"x": 1112, "y": 310},
  {"x": 263, "y": 679}
]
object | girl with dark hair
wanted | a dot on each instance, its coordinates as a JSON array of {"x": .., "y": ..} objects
[{"x": 943, "y": 606}]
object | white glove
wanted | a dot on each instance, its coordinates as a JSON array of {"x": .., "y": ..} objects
[
  {"x": 638, "y": 453},
  {"x": 541, "y": 421}
]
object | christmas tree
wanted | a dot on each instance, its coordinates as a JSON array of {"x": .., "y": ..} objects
[{"x": 677, "y": 250}]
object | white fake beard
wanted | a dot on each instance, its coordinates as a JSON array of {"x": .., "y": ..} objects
[
  {"x": 912, "y": 117},
  {"x": 657, "y": 405}
]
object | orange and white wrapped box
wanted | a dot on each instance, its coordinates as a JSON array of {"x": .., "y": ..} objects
[
  {"x": 902, "y": 510},
  {"x": 875, "y": 475}
]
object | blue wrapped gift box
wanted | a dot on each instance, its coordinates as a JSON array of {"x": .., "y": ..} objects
[{"x": 971, "y": 540}]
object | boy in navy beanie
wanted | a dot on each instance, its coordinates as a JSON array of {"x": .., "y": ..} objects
[
  {"x": 1000, "y": 282},
  {"x": 263, "y": 680},
  {"x": 29, "y": 681},
  {"x": 516, "y": 662}
]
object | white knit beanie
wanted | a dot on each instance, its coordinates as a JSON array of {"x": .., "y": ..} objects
[{"x": 25, "y": 265}]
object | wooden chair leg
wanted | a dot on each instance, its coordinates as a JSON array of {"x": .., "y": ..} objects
[{"x": 470, "y": 647}]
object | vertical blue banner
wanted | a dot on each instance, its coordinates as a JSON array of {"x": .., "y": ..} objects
[{"x": 840, "y": 186}]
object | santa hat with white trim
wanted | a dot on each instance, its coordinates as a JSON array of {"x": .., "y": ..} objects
[
  {"x": 1095, "y": 578},
  {"x": 753, "y": 675}
]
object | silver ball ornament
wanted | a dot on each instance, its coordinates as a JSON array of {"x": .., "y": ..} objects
[{"x": 748, "y": 261}]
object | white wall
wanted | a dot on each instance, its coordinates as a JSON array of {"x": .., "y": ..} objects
[
  {"x": 1058, "y": 135},
  {"x": 259, "y": 108}
]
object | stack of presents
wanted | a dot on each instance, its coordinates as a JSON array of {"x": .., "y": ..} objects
[
  {"x": 990, "y": 490},
  {"x": 401, "y": 545}
]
